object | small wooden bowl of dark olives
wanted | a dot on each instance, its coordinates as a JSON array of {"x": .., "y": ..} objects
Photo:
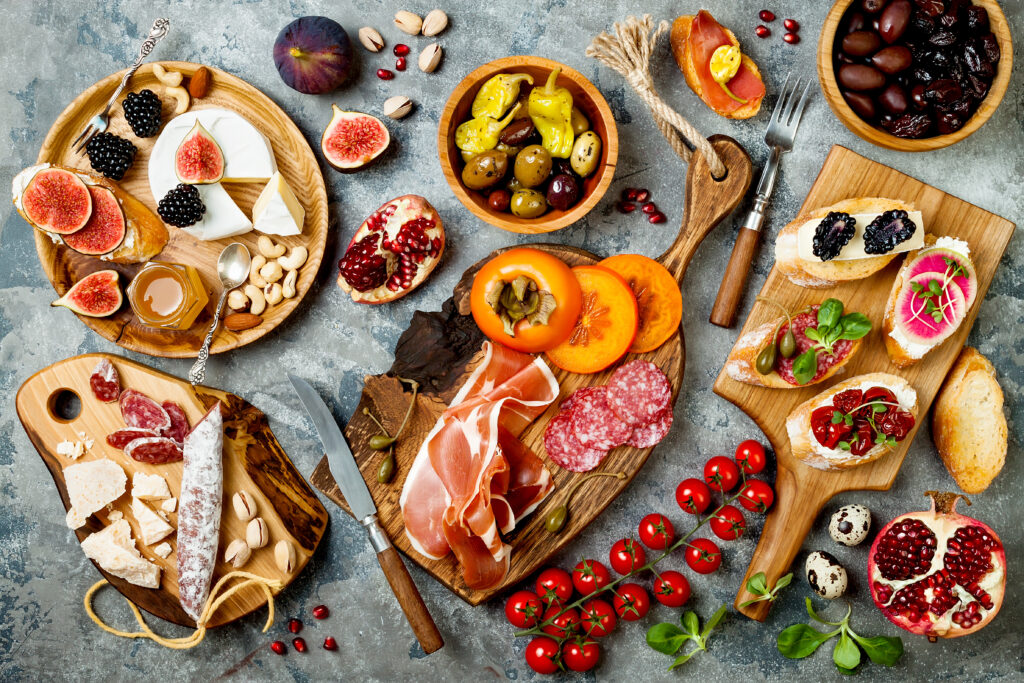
[
  {"x": 561, "y": 196},
  {"x": 915, "y": 75}
]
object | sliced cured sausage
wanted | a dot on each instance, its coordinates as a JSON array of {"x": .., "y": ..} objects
[
  {"x": 594, "y": 423},
  {"x": 571, "y": 399},
  {"x": 105, "y": 382},
  {"x": 155, "y": 450},
  {"x": 639, "y": 392},
  {"x": 784, "y": 366},
  {"x": 142, "y": 412},
  {"x": 565, "y": 450},
  {"x": 650, "y": 435},
  {"x": 123, "y": 437},
  {"x": 179, "y": 421}
]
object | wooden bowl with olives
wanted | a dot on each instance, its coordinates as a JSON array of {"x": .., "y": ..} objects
[
  {"x": 514, "y": 155},
  {"x": 914, "y": 75}
]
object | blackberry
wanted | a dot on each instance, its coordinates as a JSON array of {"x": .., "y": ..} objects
[
  {"x": 182, "y": 206},
  {"x": 110, "y": 155},
  {"x": 142, "y": 112},
  {"x": 832, "y": 234},
  {"x": 886, "y": 231}
]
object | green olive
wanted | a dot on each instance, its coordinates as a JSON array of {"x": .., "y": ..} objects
[
  {"x": 580, "y": 124},
  {"x": 514, "y": 185},
  {"x": 379, "y": 442},
  {"x": 510, "y": 150},
  {"x": 787, "y": 345},
  {"x": 586, "y": 152},
  {"x": 533, "y": 165},
  {"x": 386, "y": 471},
  {"x": 765, "y": 362},
  {"x": 555, "y": 520},
  {"x": 528, "y": 204},
  {"x": 486, "y": 169}
]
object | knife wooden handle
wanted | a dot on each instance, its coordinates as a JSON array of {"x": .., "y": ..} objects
[
  {"x": 734, "y": 281},
  {"x": 409, "y": 599}
]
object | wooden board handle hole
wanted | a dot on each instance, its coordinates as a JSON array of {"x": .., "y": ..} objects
[{"x": 64, "y": 405}]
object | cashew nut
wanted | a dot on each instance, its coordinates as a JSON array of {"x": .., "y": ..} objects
[
  {"x": 272, "y": 271},
  {"x": 295, "y": 258},
  {"x": 168, "y": 78},
  {"x": 288, "y": 288},
  {"x": 273, "y": 293},
  {"x": 237, "y": 300},
  {"x": 267, "y": 247},
  {"x": 181, "y": 98},
  {"x": 259, "y": 302},
  {"x": 258, "y": 261}
]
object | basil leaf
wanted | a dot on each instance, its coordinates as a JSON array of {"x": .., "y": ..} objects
[
  {"x": 829, "y": 312},
  {"x": 683, "y": 659},
  {"x": 666, "y": 638},
  {"x": 758, "y": 584},
  {"x": 846, "y": 654},
  {"x": 805, "y": 367},
  {"x": 854, "y": 326},
  {"x": 713, "y": 621},
  {"x": 691, "y": 624},
  {"x": 812, "y": 333},
  {"x": 800, "y": 640},
  {"x": 834, "y": 333},
  {"x": 881, "y": 649}
]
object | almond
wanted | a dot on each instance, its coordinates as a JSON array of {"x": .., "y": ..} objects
[
  {"x": 236, "y": 322},
  {"x": 199, "y": 84}
]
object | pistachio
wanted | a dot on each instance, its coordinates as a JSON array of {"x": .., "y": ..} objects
[
  {"x": 237, "y": 553},
  {"x": 397, "y": 107},
  {"x": 435, "y": 22},
  {"x": 284, "y": 556},
  {"x": 244, "y": 505},
  {"x": 430, "y": 58},
  {"x": 257, "y": 533},
  {"x": 408, "y": 22},
  {"x": 371, "y": 39}
]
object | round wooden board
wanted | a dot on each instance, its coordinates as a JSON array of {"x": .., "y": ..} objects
[{"x": 295, "y": 161}]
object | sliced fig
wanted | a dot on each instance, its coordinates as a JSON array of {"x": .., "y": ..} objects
[
  {"x": 352, "y": 140},
  {"x": 313, "y": 55},
  {"x": 939, "y": 260},
  {"x": 199, "y": 159},
  {"x": 106, "y": 228},
  {"x": 57, "y": 200},
  {"x": 921, "y": 323},
  {"x": 96, "y": 295}
]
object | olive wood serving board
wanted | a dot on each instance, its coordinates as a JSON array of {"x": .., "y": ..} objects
[
  {"x": 253, "y": 461},
  {"x": 801, "y": 491},
  {"x": 439, "y": 349},
  {"x": 295, "y": 161}
]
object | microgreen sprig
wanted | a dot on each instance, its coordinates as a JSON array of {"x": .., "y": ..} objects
[
  {"x": 934, "y": 292},
  {"x": 669, "y": 638},
  {"x": 758, "y": 585}
]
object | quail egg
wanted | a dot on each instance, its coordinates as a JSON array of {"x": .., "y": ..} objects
[
  {"x": 825, "y": 575},
  {"x": 850, "y": 525}
]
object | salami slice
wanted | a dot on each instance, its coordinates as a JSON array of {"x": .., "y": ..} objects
[
  {"x": 155, "y": 450},
  {"x": 105, "y": 382},
  {"x": 784, "y": 366},
  {"x": 571, "y": 399},
  {"x": 650, "y": 435},
  {"x": 565, "y": 450},
  {"x": 639, "y": 392},
  {"x": 142, "y": 412},
  {"x": 595, "y": 425},
  {"x": 179, "y": 421},
  {"x": 123, "y": 437}
]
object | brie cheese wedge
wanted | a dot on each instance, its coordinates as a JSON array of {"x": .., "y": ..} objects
[
  {"x": 854, "y": 249},
  {"x": 277, "y": 211},
  {"x": 113, "y": 549},
  {"x": 91, "y": 487},
  {"x": 222, "y": 217},
  {"x": 152, "y": 527}
]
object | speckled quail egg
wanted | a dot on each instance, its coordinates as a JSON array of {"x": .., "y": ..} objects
[
  {"x": 850, "y": 524},
  {"x": 825, "y": 575}
]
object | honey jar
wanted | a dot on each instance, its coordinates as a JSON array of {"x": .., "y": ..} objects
[{"x": 167, "y": 295}]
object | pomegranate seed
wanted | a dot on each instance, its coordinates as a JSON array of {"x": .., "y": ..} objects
[
  {"x": 278, "y": 647},
  {"x": 791, "y": 25},
  {"x": 400, "y": 63},
  {"x": 321, "y": 612},
  {"x": 766, "y": 15},
  {"x": 760, "y": 31},
  {"x": 629, "y": 194},
  {"x": 649, "y": 207},
  {"x": 385, "y": 75},
  {"x": 656, "y": 217},
  {"x": 330, "y": 643},
  {"x": 642, "y": 195},
  {"x": 299, "y": 644},
  {"x": 626, "y": 207},
  {"x": 294, "y": 625},
  {"x": 401, "y": 50},
  {"x": 791, "y": 38}
]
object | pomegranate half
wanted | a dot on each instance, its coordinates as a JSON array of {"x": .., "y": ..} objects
[
  {"x": 936, "y": 572},
  {"x": 393, "y": 251}
]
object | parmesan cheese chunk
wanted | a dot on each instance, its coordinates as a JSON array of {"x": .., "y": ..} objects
[
  {"x": 71, "y": 449},
  {"x": 113, "y": 549},
  {"x": 91, "y": 486},
  {"x": 151, "y": 527},
  {"x": 149, "y": 486},
  {"x": 163, "y": 550},
  {"x": 169, "y": 505}
]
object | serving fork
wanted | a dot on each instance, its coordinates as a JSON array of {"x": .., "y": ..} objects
[
  {"x": 779, "y": 139},
  {"x": 99, "y": 123}
]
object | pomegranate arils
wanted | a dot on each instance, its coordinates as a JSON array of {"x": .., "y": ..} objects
[
  {"x": 400, "y": 64},
  {"x": 330, "y": 643},
  {"x": 630, "y": 194},
  {"x": 791, "y": 38},
  {"x": 626, "y": 207},
  {"x": 642, "y": 195},
  {"x": 906, "y": 550},
  {"x": 294, "y": 625},
  {"x": 321, "y": 612},
  {"x": 766, "y": 15},
  {"x": 278, "y": 647},
  {"x": 362, "y": 267},
  {"x": 791, "y": 25},
  {"x": 299, "y": 644},
  {"x": 656, "y": 217},
  {"x": 762, "y": 31},
  {"x": 385, "y": 74},
  {"x": 649, "y": 207},
  {"x": 401, "y": 50}
]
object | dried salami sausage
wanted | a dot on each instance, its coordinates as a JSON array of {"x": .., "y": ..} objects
[
  {"x": 123, "y": 437},
  {"x": 155, "y": 450},
  {"x": 639, "y": 392},
  {"x": 595, "y": 425},
  {"x": 565, "y": 450},
  {"x": 179, "y": 421},
  {"x": 142, "y": 412},
  {"x": 105, "y": 382}
]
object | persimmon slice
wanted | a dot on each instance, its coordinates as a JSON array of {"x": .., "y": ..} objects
[
  {"x": 657, "y": 296},
  {"x": 606, "y": 326}
]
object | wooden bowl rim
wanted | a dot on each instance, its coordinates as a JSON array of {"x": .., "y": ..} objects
[
  {"x": 507, "y": 221},
  {"x": 866, "y": 131}
]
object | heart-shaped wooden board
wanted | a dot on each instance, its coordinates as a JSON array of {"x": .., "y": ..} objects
[
  {"x": 801, "y": 491},
  {"x": 253, "y": 461},
  {"x": 439, "y": 349}
]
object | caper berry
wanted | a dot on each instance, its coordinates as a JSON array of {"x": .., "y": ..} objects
[
  {"x": 386, "y": 471},
  {"x": 787, "y": 345},
  {"x": 555, "y": 520},
  {"x": 379, "y": 442},
  {"x": 765, "y": 362}
]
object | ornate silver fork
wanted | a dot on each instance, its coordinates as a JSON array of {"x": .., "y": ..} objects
[{"x": 99, "y": 123}]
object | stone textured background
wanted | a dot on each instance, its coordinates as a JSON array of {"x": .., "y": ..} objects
[{"x": 54, "y": 49}]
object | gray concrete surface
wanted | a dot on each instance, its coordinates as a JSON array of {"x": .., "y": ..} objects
[{"x": 54, "y": 49}]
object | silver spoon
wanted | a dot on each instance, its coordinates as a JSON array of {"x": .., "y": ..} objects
[{"x": 233, "y": 269}]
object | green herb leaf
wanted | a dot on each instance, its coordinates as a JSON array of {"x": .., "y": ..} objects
[
  {"x": 881, "y": 649},
  {"x": 848, "y": 419},
  {"x": 837, "y": 417},
  {"x": 877, "y": 408},
  {"x": 691, "y": 624},
  {"x": 935, "y": 287},
  {"x": 844, "y": 445},
  {"x": 812, "y": 333},
  {"x": 810, "y": 611},
  {"x": 805, "y": 367},
  {"x": 783, "y": 582},
  {"x": 758, "y": 584},
  {"x": 916, "y": 287},
  {"x": 829, "y": 313},
  {"x": 800, "y": 640},
  {"x": 846, "y": 654},
  {"x": 713, "y": 621},
  {"x": 855, "y": 326},
  {"x": 666, "y": 638},
  {"x": 683, "y": 659},
  {"x": 846, "y": 672}
]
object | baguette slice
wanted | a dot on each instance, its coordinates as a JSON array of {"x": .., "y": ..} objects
[
  {"x": 968, "y": 425},
  {"x": 798, "y": 424},
  {"x": 824, "y": 274}
]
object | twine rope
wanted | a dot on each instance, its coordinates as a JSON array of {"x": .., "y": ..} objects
[{"x": 629, "y": 52}]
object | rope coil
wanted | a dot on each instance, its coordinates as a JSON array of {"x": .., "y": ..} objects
[{"x": 629, "y": 52}]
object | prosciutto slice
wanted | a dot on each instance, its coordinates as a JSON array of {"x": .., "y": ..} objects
[
  {"x": 472, "y": 477},
  {"x": 706, "y": 36}
]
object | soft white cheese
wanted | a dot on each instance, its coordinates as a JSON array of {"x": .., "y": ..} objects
[
  {"x": 222, "y": 217},
  {"x": 905, "y": 396},
  {"x": 149, "y": 486},
  {"x": 163, "y": 550},
  {"x": 71, "y": 449},
  {"x": 151, "y": 527},
  {"x": 957, "y": 245},
  {"x": 854, "y": 249},
  {"x": 21, "y": 181},
  {"x": 91, "y": 486},
  {"x": 114, "y": 550},
  {"x": 277, "y": 211}
]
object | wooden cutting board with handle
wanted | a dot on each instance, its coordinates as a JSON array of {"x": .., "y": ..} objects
[
  {"x": 801, "y": 491},
  {"x": 440, "y": 348},
  {"x": 253, "y": 461}
]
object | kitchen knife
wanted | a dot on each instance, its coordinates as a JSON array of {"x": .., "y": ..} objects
[{"x": 353, "y": 487}]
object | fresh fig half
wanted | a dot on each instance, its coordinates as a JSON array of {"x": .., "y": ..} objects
[
  {"x": 313, "y": 55},
  {"x": 352, "y": 140},
  {"x": 96, "y": 295},
  {"x": 56, "y": 200},
  {"x": 199, "y": 159},
  {"x": 105, "y": 230}
]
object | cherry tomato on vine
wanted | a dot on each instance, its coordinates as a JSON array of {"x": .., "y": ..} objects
[
  {"x": 728, "y": 524},
  {"x": 693, "y": 496},
  {"x": 523, "y": 609},
  {"x": 542, "y": 655},
  {"x": 554, "y": 585},
  {"x": 627, "y": 555},
  {"x": 656, "y": 532},
  {"x": 757, "y": 496},
  {"x": 562, "y": 625},
  {"x": 750, "y": 457},
  {"x": 703, "y": 556},
  {"x": 580, "y": 654},
  {"x": 631, "y": 601},
  {"x": 721, "y": 473},
  {"x": 589, "y": 576},
  {"x": 671, "y": 589},
  {"x": 598, "y": 618}
]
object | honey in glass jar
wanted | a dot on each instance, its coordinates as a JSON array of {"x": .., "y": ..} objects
[{"x": 167, "y": 295}]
